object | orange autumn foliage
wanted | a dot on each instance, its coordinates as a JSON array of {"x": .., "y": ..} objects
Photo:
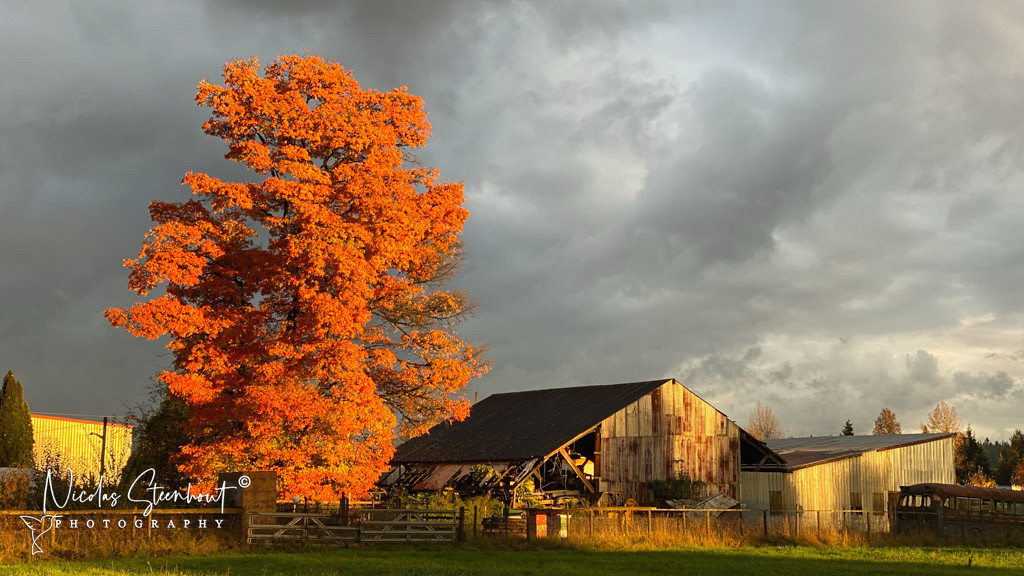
[{"x": 306, "y": 311}]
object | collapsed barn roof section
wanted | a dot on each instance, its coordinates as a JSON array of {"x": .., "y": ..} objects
[{"x": 522, "y": 425}]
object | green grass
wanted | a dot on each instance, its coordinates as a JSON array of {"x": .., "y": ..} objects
[{"x": 758, "y": 560}]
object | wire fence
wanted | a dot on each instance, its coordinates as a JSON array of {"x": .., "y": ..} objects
[{"x": 747, "y": 525}]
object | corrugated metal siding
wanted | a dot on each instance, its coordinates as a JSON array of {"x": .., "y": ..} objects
[
  {"x": 76, "y": 444},
  {"x": 668, "y": 431},
  {"x": 827, "y": 486}
]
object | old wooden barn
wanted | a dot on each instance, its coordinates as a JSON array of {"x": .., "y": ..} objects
[
  {"x": 846, "y": 472},
  {"x": 592, "y": 439}
]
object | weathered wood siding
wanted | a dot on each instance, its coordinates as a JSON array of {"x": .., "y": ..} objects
[
  {"x": 828, "y": 486},
  {"x": 668, "y": 432}
]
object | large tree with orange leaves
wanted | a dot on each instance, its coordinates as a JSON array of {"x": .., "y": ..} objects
[{"x": 307, "y": 310}]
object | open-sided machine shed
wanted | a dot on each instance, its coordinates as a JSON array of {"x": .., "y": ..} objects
[{"x": 614, "y": 438}]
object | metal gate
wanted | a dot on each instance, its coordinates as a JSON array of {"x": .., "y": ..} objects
[
  {"x": 271, "y": 528},
  {"x": 397, "y": 525}
]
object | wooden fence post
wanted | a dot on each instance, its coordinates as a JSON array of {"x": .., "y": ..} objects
[
  {"x": 650, "y": 520},
  {"x": 461, "y": 534},
  {"x": 764, "y": 521},
  {"x": 591, "y": 531},
  {"x": 474, "y": 522}
]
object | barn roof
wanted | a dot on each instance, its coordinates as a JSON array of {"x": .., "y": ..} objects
[
  {"x": 520, "y": 425},
  {"x": 802, "y": 452}
]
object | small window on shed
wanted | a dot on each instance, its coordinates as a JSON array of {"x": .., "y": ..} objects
[
  {"x": 878, "y": 502},
  {"x": 855, "y": 501},
  {"x": 775, "y": 501}
]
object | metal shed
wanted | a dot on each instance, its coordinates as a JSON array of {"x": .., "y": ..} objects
[
  {"x": 847, "y": 472},
  {"x": 613, "y": 438}
]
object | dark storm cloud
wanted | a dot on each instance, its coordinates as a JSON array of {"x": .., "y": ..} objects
[{"x": 809, "y": 204}]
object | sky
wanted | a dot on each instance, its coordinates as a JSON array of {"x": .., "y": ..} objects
[{"x": 811, "y": 205}]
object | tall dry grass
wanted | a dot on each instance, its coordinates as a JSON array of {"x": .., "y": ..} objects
[
  {"x": 632, "y": 533},
  {"x": 81, "y": 544}
]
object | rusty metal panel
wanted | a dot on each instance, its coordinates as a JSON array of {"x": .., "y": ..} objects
[
  {"x": 632, "y": 421},
  {"x": 620, "y": 423},
  {"x": 662, "y": 458},
  {"x": 679, "y": 409},
  {"x": 689, "y": 418},
  {"x": 644, "y": 416},
  {"x": 657, "y": 412},
  {"x": 633, "y": 458},
  {"x": 667, "y": 395},
  {"x": 647, "y": 451},
  {"x": 615, "y": 455}
]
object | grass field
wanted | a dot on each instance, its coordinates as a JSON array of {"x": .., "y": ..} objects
[{"x": 762, "y": 561}]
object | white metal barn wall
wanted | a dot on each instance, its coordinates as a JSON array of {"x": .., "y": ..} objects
[{"x": 832, "y": 485}]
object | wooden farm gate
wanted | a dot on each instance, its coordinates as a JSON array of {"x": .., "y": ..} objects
[
  {"x": 273, "y": 528},
  {"x": 399, "y": 525}
]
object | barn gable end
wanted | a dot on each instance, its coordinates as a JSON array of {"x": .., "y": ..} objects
[{"x": 616, "y": 438}]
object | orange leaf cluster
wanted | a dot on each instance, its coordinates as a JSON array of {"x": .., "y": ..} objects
[{"x": 307, "y": 312}]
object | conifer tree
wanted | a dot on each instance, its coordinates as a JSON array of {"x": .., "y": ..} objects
[
  {"x": 15, "y": 425},
  {"x": 847, "y": 429}
]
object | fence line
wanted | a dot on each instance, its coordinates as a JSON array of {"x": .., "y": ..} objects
[{"x": 298, "y": 527}]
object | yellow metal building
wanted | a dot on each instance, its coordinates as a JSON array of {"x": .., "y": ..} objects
[
  {"x": 77, "y": 444},
  {"x": 851, "y": 473}
]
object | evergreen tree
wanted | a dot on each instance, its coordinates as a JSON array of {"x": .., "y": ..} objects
[
  {"x": 847, "y": 429},
  {"x": 970, "y": 458},
  {"x": 1009, "y": 458},
  {"x": 16, "y": 440}
]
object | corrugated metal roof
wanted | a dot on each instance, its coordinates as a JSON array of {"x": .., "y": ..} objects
[
  {"x": 518, "y": 425},
  {"x": 800, "y": 452}
]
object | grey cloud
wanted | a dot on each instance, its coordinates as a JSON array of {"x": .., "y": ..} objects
[
  {"x": 983, "y": 385},
  {"x": 713, "y": 191},
  {"x": 923, "y": 367}
]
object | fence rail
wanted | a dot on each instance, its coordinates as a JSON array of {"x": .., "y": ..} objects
[
  {"x": 271, "y": 528},
  {"x": 404, "y": 525},
  {"x": 376, "y": 526}
]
